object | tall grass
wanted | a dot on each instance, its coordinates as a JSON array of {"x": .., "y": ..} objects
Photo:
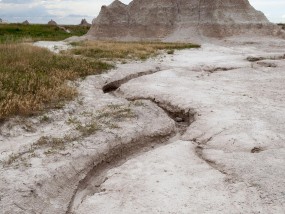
[
  {"x": 111, "y": 50},
  {"x": 32, "y": 78}
]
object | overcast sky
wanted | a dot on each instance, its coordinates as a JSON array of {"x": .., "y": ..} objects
[{"x": 72, "y": 11}]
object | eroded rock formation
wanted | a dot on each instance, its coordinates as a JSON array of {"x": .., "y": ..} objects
[
  {"x": 52, "y": 22},
  {"x": 179, "y": 20},
  {"x": 26, "y": 22},
  {"x": 84, "y": 23}
]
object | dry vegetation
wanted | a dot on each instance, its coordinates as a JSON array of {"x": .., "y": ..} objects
[
  {"x": 32, "y": 79},
  {"x": 109, "y": 50}
]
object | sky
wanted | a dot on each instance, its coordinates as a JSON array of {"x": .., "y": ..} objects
[{"x": 72, "y": 11}]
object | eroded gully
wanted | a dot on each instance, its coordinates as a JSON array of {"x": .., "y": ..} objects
[{"x": 183, "y": 118}]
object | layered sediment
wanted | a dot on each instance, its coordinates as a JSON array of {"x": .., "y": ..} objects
[{"x": 179, "y": 20}]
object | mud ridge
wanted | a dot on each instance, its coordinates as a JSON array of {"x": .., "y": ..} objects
[
  {"x": 199, "y": 152},
  {"x": 93, "y": 180},
  {"x": 217, "y": 69},
  {"x": 182, "y": 117},
  {"x": 114, "y": 85},
  {"x": 266, "y": 64},
  {"x": 260, "y": 58}
]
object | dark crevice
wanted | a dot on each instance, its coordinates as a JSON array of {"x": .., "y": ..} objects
[
  {"x": 199, "y": 150},
  {"x": 213, "y": 70},
  {"x": 96, "y": 176},
  {"x": 94, "y": 179},
  {"x": 266, "y": 64},
  {"x": 92, "y": 182},
  {"x": 256, "y": 150},
  {"x": 259, "y": 58},
  {"x": 182, "y": 117},
  {"x": 114, "y": 85},
  {"x": 111, "y": 87}
]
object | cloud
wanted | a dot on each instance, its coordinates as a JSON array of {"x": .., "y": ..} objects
[
  {"x": 20, "y": 12},
  {"x": 40, "y": 11},
  {"x": 16, "y": 13},
  {"x": 17, "y": 1},
  {"x": 77, "y": 16}
]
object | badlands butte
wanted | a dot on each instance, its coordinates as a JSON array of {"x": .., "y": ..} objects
[
  {"x": 180, "y": 20},
  {"x": 199, "y": 130}
]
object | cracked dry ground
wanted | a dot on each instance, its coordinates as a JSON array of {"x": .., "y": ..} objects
[{"x": 201, "y": 131}]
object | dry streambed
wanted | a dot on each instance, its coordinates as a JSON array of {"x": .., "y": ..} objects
[
  {"x": 231, "y": 157},
  {"x": 186, "y": 135}
]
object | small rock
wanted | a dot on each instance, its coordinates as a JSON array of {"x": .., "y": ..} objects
[
  {"x": 254, "y": 58},
  {"x": 267, "y": 64},
  {"x": 256, "y": 150},
  {"x": 178, "y": 119}
]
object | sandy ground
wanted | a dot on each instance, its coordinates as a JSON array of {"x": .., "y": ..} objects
[
  {"x": 53, "y": 46},
  {"x": 230, "y": 159}
]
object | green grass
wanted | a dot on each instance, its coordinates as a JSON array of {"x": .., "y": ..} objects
[{"x": 11, "y": 33}]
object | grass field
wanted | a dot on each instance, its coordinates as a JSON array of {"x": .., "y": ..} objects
[
  {"x": 33, "y": 79},
  {"x": 109, "y": 50},
  {"x": 10, "y": 33}
]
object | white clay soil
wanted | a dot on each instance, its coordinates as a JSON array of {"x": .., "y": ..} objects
[{"x": 202, "y": 131}]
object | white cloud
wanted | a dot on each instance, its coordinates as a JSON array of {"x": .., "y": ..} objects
[{"x": 40, "y": 11}]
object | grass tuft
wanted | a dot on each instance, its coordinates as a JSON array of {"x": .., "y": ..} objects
[
  {"x": 116, "y": 113},
  {"x": 88, "y": 128}
]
